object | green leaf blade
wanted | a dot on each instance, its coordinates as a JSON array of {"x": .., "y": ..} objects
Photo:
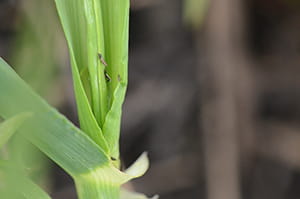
[
  {"x": 19, "y": 184},
  {"x": 10, "y": 126},
  {"x": 51, "y": 132},
  {"x": 112, "y": 123}
]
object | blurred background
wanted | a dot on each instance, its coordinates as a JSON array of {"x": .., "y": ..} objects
[{"x": 214, "y": 94}]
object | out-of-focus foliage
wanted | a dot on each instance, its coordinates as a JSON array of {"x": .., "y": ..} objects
[
  {"x": 10, "y": 126},
  {"x": 39, "y": 47},
  {"x": 37, "y": 51},
  {"x": 194, "y": 12},
  {"x": 17, "y": 185}
]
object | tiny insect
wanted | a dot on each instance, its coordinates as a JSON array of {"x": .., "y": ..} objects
[
  {"x": 119, "y": 78},
  {"x": 107, "y": 77},
  {"x": 102, "y": 59},
  {"x": 113, "y": 159}
]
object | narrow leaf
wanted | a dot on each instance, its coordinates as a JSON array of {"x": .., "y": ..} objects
[
  {"x": 111, "y": 127},
  {"x": 97, "y": 36},
  {"x": 87, "y": 120},
  {"x": 47, "y": 129},
  {"x": 73, "y": 20},
  {"x": 94, "y": 174},
  {"x": 10, "y": 126},
  {"x": 19, "y": 183},
  {"x": 115, "y": 26}
]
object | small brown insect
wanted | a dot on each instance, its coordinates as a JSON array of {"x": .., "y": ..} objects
[
  {"x": 102, "y": 59},
  {"x": 107, "y": 77}
]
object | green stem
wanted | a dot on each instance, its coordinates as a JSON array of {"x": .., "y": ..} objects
[
  {"x": 87, "y": 189},
  {"x": 101, "y": 183}
]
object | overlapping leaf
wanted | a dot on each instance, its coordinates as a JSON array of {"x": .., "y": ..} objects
[
  {"x": 97, "y": 36},
  {"x": 97, "y": 33},
  {"x": 60, "y": 140},
  {"x": 22, "y": 187},
  {"x": 10, "y": 126}
]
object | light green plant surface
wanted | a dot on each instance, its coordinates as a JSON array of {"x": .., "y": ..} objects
[
  {"x": 93, "y": 27},
  {"x": 23, "y": 187},
  {"x": 89, "y": 165},
  {"x": 90, "y": 154},
  {"x": 8, "y": 170},
  {"x": 10, "y": 126}
]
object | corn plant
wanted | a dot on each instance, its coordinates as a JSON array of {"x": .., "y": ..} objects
[{"x": 97, "y": 36}]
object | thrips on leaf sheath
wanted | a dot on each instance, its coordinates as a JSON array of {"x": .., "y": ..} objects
[{"x": 102, "y": 59}]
